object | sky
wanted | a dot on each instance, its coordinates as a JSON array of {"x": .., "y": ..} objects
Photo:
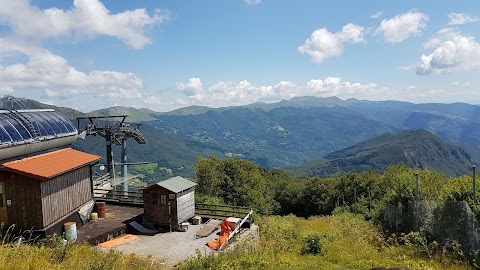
[{"x": 163, "y": 55}]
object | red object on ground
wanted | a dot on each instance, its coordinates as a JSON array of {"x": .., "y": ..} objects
[
  {"x": 225, "y": 228},
  {"x": 225, "y": 231}
]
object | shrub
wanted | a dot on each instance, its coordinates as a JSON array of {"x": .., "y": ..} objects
[{"x": 313, "y": 244}]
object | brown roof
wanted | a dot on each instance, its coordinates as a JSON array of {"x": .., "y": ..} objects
[{"x": 51, "y": 164}]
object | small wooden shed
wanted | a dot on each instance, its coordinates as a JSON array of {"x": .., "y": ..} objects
[
  {"x": 169, "y": 202},
  {"x": 40, "y": 191}
]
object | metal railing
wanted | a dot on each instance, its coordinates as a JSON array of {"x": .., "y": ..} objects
[{"x": 119, "y": 196}]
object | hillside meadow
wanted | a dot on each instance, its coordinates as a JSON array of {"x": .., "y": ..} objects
[{"x": 341, "y": 241}]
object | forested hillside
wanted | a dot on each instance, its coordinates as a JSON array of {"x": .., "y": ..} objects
[
  {"x": 367, "y": 195},
  {"x": 416, "y": 148},
  {"x": 295, "y": 132},
  {"x": 241, "y": 182}
]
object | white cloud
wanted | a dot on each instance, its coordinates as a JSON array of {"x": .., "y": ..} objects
[
  {"x": 52, "y": 73},
  {"x": 401, "y": 27},
  {"x": 243, "y": 92},
  {"x": 192, "y": 87},
  {"x": 86, "y": 19},
  {"x": 410, "y": 67},
  {"x": 152, "y": 100},
  {"x": 461, "y": 84},
  {"x": 323, "y": 44},
  {"x": 453, "y": 52},
  {"x": 5, "y": 90},
  {"x": 376, "y": 15},
  {"x": 460, "y": 18},
  {"x": 252, "y": 2},
  {"x": 25, "y": 64}
]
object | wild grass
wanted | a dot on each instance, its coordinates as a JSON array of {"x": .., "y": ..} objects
[
  {"x": 341, "y": 241},
  {"x": 346, "y": 241},
  {"x": 55, "y": 254}
]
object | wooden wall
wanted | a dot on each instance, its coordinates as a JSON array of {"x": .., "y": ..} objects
[
  {"x": 26, "y": 208},
  {"x": 65, "y": 193},
  {"x": 39, "y": 203},
  {"x": 186, "y": 205},
  {"x": 176, "y": 209},
  {"x": 156, "y": 211}
]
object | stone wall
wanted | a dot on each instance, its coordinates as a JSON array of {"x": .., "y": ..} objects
[{"x": 442, "y": 221}]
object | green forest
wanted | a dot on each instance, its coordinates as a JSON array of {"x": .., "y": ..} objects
[
  {"x": 273, "y": 191},
  {"x": 314, "y": 223},
  {"x": 344, "y": 210}
]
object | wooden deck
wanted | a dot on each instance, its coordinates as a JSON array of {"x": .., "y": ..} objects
[
  {"x": 208, "y": 228},
  {"x": 114, "y": 224}
]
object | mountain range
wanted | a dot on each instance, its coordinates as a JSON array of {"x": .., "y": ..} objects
[
  {"x": 286, "y": 133},
  {"x": 414, "y": 147}
]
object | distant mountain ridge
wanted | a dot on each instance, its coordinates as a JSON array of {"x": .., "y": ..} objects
[
  {"x": 416, "y": 148},
  {"x": 276, "y": 137},
  {"x": 289, "y": 132}
]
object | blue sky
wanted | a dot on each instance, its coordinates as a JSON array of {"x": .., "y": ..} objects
[{"x": 162, "y": 55}]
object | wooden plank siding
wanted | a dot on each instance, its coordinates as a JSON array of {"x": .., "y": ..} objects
[
  {"x": 185, "y": 205},
  {"x": 155, "y": 210},
  {"x": 177, "y": 208},
  {"x": 39, "y": 203},
  {"x": 25, "y": 210},
  {"x": 65, "y": 193}
]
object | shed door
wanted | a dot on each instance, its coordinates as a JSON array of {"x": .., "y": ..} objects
[
  {"x": 162, "y": 212},
  {"x": 3, "y": 204}
]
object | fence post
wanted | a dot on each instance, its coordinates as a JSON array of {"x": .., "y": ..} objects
[
  {"x": 369, "y": 199},
  {"x": 474, "y": 188},
  {"x": 417, "y": 195}
]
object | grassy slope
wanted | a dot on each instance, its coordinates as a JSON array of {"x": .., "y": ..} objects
[
  {"x": 70, "y": 257},
  {"x": 349, "y": 242}
]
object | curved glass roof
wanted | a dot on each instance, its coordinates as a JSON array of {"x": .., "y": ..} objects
[{"x": 33, "y": 125}]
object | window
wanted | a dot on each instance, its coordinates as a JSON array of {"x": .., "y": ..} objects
[
  {"x": 163, "y": 199},
  {"x": 12, "y": 131},
  {"x": 154, "y": 198},
  {"x": 18, "y": 126},
  {"x": 4, "y": 137},
  {"x": 56, "y": 128},
  {"x": 1, "y": 195},
  {"x": 68, "y": 124},
  {"x": 43, "y": 126}
]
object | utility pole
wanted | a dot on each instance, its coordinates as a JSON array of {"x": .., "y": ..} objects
[
  {"x": 108, "y": 138},
  {"x": 123, "y": 172}
]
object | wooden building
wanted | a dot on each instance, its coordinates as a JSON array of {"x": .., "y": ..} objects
[
  {"x": 44, "y": 190},
  {"x": 169, "y": 203}
]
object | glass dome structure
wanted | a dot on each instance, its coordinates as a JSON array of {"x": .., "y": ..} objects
[{"x": 28, "y": 131}]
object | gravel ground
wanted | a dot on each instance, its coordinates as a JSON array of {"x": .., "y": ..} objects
[{"x": 172, "y": 247}]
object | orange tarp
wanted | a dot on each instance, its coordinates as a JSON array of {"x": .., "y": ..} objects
[
  {"x": 225, "y": 231},
  {"x": 118, "y": 241}
]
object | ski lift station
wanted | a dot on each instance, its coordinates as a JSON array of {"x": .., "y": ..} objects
[
  {"x": 46, "y": 185},
  {"x": 40, "y": 183}
]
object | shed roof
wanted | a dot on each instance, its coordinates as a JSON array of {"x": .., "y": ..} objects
[
  {"x": 51, "y": 164},
  {"x": 176, "y": 184}
]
